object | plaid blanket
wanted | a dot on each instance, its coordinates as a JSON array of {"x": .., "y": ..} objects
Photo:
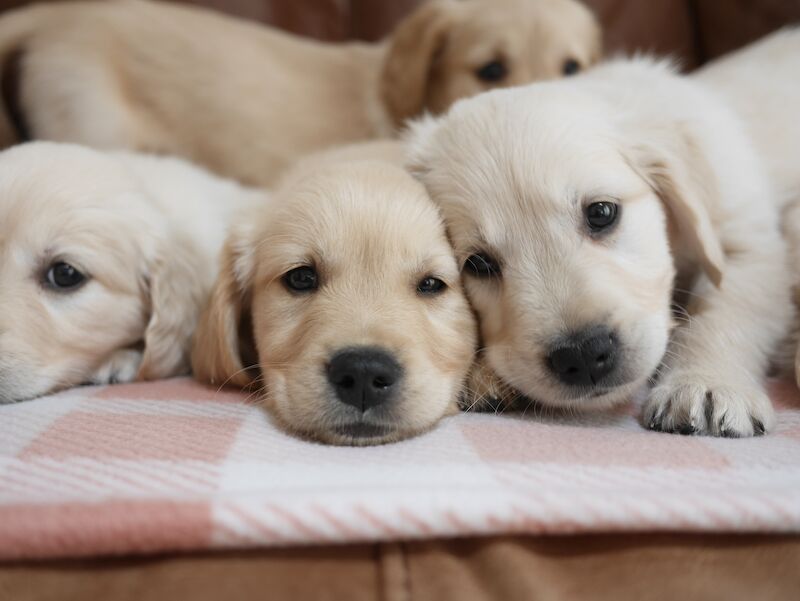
[{"x": 175, "y": 466}]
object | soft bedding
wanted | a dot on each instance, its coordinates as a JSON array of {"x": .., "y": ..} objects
[{"x": 175, "y": 466}]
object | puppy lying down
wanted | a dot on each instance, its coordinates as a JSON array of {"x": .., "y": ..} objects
[
  {"x": 344, "y": 294},
  {"x": 105, "y": 262},
  {"x": 121, "y": 75},
  {"x": 612, "y": 228}
]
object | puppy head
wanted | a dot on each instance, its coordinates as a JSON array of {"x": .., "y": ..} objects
[
  {"x": 352, "y": 293},
  {"x": 562, "y": 219},
  {"x": 86, "y": 270},
  {"x": 452, "y": 49}
]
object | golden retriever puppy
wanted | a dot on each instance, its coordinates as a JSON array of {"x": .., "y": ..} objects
[
  {"x": 350, "y": 292},
  {"x": 582, "y": 210},
  {"x": 105, "y": 263},
  {"x": 246, "y": 100}
]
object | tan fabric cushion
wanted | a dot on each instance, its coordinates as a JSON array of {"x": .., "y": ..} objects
[{"x": 646, "y": 566}]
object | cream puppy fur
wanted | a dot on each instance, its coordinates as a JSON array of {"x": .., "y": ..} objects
[
  {"x": 105, "y": 263},
  {"x": 761, "y": 82},
  {"x": 345, "y": 296},
  {"x": 246, "y": 100},
  {"x": 581, "y": 210}
]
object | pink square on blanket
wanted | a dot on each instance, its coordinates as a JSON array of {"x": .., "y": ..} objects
[
  {"x": 183, "y": 389},
  {"x": 135, "y": 437},
  {"x": 78, "y": 529},
  {"x": 520, "y": 441}
]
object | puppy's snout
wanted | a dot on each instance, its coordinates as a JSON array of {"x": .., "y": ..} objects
[
  {"x": 364, "y": 377},
  {"x": 585, "y": 358}
]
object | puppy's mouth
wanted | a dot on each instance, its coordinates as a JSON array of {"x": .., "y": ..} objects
[{"x": 363, "y": 431}]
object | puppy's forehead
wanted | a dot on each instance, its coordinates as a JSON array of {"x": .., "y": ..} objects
[
  {"x": 63, "y": 200},
  {"x": 47, "y": 178},
  {"x": 366, "y": 212},
  {"x": 522, "y": 158},
  {"x": 522, "y": 30}
]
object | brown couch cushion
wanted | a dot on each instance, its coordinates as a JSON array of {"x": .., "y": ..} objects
[
  {"x": 725, "y": 26},
  {"x": 691, "y": 30},
  {"x": 600, "y": 567}
]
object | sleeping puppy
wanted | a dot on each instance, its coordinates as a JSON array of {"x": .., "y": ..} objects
[
  {"x": 581, "y": 210},
  {"x": 245, "y": 100},
  {"x": 345, "y": 295},
  {"x": 105, "y": 263}
]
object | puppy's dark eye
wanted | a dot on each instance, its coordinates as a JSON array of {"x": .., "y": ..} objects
[
  {"x": 570, "y": 67},
  {"x": 63, "y": 276},
  {"x": 493, "y": 71},
  {"x": 431, "y": 285},
  {"x": 301, "y": 279},
  {"x": 601, "y": 215},
  {"x": 481, "y": 265}
]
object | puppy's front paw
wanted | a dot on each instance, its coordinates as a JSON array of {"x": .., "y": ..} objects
[
  {"x": 687, "y": 403},
  {"x": 121, "y": 367}
]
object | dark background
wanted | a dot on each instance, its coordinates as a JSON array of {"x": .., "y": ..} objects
[{"x": 692, "y": 30}]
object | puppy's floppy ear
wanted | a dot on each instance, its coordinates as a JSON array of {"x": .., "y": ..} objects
[
  {"x": 222, "y": 352},
  {"x": 176, "y": 295},
  {"x": 413, "y": 48},
  {"x": 677, "y": 170}
]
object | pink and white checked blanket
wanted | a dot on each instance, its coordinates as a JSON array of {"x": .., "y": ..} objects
[{"x": 175, "y": 466}]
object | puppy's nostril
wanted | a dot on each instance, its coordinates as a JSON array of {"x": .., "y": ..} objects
[
  {"x": 380, "y": 382},
  {"x": 346, "y": 381}
]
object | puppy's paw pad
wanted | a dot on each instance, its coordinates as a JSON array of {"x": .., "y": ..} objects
[{"x": 683, "y": 404}]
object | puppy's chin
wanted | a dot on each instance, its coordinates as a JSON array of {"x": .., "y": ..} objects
[
  {"x": 359, "y": 433},
  {"x": 603, "y": 398},
  {"x": 19, "y": 382}
]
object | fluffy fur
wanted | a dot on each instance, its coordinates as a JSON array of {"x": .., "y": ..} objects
[
  {"x": 246, "y": 100},
  {"x": 760, "y": 81},
  {"x": 515, "y": 170},
  {"x": 372, "y": 234},
  {"x": 145, "y": 232}
]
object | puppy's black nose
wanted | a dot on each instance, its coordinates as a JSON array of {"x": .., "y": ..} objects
[
  {"x": 585, "y": 358},
  {"x": 364, "y": 377}
]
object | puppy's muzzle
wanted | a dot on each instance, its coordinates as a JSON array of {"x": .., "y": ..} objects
[
  {"x": 586, "y": 358},
  {"x": 364, "y": 377}
]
